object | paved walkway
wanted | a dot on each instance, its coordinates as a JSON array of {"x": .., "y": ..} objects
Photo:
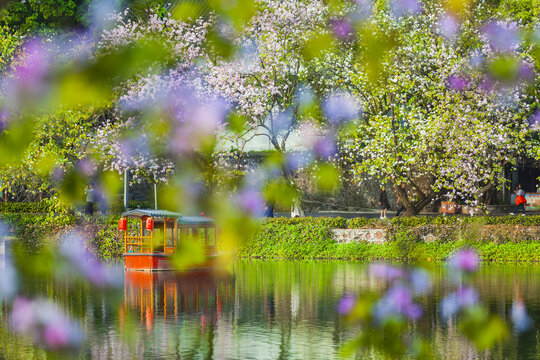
[{"x": 374, "y": 214}]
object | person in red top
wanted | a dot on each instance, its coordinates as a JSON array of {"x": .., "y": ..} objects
[{"x": 520, "y": 201}]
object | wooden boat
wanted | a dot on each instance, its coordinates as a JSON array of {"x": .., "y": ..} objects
[{"x": 150, "y": 242}]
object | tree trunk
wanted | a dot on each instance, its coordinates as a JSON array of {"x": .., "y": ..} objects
[{"x": 413, "y": 208}]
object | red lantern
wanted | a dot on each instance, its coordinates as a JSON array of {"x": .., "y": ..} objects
[
  {"x": 122, "y": 224},
  {"x": 149, "y": 223}
]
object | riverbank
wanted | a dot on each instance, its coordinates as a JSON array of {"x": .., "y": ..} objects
[{"x": 497, "y": 239}]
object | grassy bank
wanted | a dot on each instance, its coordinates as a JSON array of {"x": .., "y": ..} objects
[
  {"x": 33, "y": 231},
  {"x": 497, "y": 239}
]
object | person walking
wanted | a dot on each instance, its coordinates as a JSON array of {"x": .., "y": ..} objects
[
  {"x": 89, "y": 209},
  {"x": 383, "y": 202},
  {"x": 520, "y": 201}
]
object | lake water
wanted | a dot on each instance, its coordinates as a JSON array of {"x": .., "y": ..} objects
[{"x": 263, "y": 310}]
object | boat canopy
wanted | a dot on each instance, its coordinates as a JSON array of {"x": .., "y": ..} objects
[
  {"x": 194, "y": 220},
  {"x": 165, "y": 214},
  {"x": 157, "y": 214}
]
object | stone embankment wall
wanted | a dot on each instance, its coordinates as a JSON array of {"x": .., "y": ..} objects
[
  {"x": 493, "y": 233},
  {"x": 346, "y": 236}
]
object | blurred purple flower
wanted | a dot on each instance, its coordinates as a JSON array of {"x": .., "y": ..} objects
[
  {"x": 29, "y": 77},
  {"x": 449, "y": 306},
  {"x": 502, "y": 38},
  {"x": 127, "y": 149},
  {"x": 520, "y": 319},
  {"x": 455, "y": 302},
  {"x": 458, "y": 82},
  {"x": 487, "y": 84},
  {"x": 420, "y": 281},
  {"x": 467, "y": 296},
  {"x": 80, "y": 259},
  {"x": 201, "y": 123},
  {"x": 325, "y": 147},
  {"x": 4, "y": 119},
  {"x": 387, "y": 272},
  {"x": 362, "y": 11},
  {"x": 397, "y": 301},
  {"x": 44, "y": 324},
  {"x": 534, "y": 120},
  {"x": 449, "y": 26},
  {"x": 401, "y": 8},
  {"x": 476, "y": 59},
  {"x": 282, "y": 121},
  {"x": 465, "y": 260},
  {"x": 8, "y": 279},
  {"x": 304, "y": 96},
  {"x": 342, "y": 29},
  {"x": 346, "y": 304},
  {"x": 100, "y": 13},
  {"x": 297, "y": 160},
  {"x": 251, "y": 202},
  {"x": 86, "y": 167},
  {"x": 526, "y": 72},
  {"x": 341, "y": 107},
  {"x": 57, "y": 174},
  {"x": 35, "y": 65}
]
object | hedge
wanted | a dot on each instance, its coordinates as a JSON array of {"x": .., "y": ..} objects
[
  {"x": 44, "y": 207},
  {"x": 33, "y": 231},
  {"x": 24, "y": 207},
  {"x": 496, "y": 238}
]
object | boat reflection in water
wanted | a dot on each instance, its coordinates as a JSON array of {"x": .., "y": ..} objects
[{"x": 168, "y": 295}]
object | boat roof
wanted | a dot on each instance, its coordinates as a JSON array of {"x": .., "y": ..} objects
[
  {"x": 160, "y": 214},
  {"x": 194, "y": 220},
  {"x": 165, "y": 214}
]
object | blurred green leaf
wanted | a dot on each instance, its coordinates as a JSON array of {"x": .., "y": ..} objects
[
  {"x": 236, "y": 11},
  {"x": 111, "y": 183},
  {"x": 186, "y": 10},
  {"x": 189, "y": 253},
  {"x": 94, "y": 82},
  {"x": 15, "y": 140},
  {"x": 237, "y": 123},
  {"x": 327, "y": 178},
  {"x": 219, "y": 45},
  {"x": 280, "y": 192},
  {"x": 482, "y": 329},
  {"x": 316, "y": 45},
  {"x": 72, "y": 187},
  {"x": 505, "y": 68}
]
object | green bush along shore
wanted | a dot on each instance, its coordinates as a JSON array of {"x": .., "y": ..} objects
[
  {"x": 497, "y": 239},
  {"x": 34, "y": 231}
]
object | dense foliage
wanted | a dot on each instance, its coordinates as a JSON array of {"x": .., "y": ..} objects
[{"x": 439, "y": 97}]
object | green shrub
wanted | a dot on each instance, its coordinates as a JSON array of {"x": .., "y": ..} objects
[{"x": 24, "y": 207}]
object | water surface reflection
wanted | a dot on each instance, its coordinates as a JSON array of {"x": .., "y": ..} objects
[{"x": 265, "y": 310}]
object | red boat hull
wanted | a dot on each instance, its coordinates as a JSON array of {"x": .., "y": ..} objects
[
  {"x": 146, "y": 262},
  {"x": 161, "y": 262}
]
